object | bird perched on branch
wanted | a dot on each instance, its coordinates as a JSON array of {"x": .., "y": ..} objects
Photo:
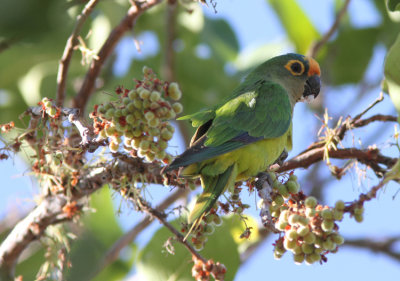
[{"x": 246, "y": 133}]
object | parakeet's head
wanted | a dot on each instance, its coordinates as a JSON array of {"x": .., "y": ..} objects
[{"x": 298, "y": 74}]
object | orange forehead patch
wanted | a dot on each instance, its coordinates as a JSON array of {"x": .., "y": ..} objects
[{"x": 313, "y": 67}]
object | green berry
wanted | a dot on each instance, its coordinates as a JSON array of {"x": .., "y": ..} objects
[
  {"x": 289, "y": 244},
  {"x": 144, "y": 145},
  {"x": 146, "y": 104},
  {"x": 170, "y": 128},
  {"x": 131, "y": 107},
  {"x": 307, "y": 248},
  {"x": 149, "y": 115},
  {"x": 165, "y": 134},
  {"x": 312, "y": 258},
  {"x": 150, "y": 156},
  {"x": 309, "y": 238},
  {"x": 209, "y": 229},
  {"x": 291, "y": 234},
  {"x": 147, "y": 71},
  {"x": 109, "y": 113},
  {"x": 101, "y": 109},
  {"x": 278, "y": 200},
  {"x": 292, "y": 187},
  {"x": 154, "y": 105},
  {"x": 51, "y": 111},
  {"x": 327, "y": 225},
  {"x": 103, "y": 134},
  {"x": 284, "y": 216},
  {"x": 277, "y": 256},
  {"x": 154, "y": 132},
  {"x": 281, "y": 225},
  {"x": 130, "y": 119},
  {"x": 339, "y": 205},
  {"x": 155, "y": 96},
  {"x": 118, "y": 113},
  {"x": 217, "y": 220},
  {"x": 293, "y": 177},
  {"x": 359, "y": 218},
  {"x": 154, "y": 122},
  {"x": 162, "y": 144},
  {"x": 198, "y": 246},
  {"x": 282, "y": 189},
  {"x": 303, "y": 231},
  {"x": 328, "y": 245},
  {"x": 294, "y": 219},
  {"x": 177, "y": 107},
  {"x": 170, "y": 114},
  {"x": 174, "y": 92},
  {"x": 337, "y": 238},
  {"x": 327, "y": 214},
  {"x": 299, "y": 258},
  {"x": 110, "y": 131},
  {"x": 311, "y": 202},
  {"x": 138, "y": 103},
  {"x": 310, "y": 212},
  {"x": 359, "y": 211},
  {"x": 144, "y": 93},
  {"x": 337, "y": 215},
  {"x": 132, "y": 95},
  {"x": 160, "y": 155},
  {"x": 113, "y": 147},
  {"x": 303, "y": 220}
]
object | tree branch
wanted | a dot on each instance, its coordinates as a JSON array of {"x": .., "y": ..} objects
[
  {"x": 369, "y": 157},
  {"x": 50, "y": 211},
  {"x": 384, "y": 246},
  {"x": 106, "y": 50},
  {"x": 72, "y": 42}
]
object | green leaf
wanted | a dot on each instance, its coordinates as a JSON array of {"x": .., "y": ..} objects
[
  {"x": 393, "y": 5},
  {"x": 392, "y": 73},
  {"x": 221, "y": 38},
  {"x": 156, "y": 264},
  {"x": 102, "y": 230},
  {"x": 298, "y": 26},
  {"x": 347, "y": 57}
]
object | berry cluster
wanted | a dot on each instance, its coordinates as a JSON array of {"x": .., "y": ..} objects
[
  {"x": 49, "y": 107},
  {"x": 203, "y": 271},
  {"x": 141, "y": 117},
  {"x": 205, "y": 228},
  {"x": 310, "y": 231}
]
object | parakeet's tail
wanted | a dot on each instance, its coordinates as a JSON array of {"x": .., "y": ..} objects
[{"x": 213, "y": 186}]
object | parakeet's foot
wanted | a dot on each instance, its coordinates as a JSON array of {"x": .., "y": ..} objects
[
  {"x": 264, "y": 183},
  {"x": 284, "y": 155}
]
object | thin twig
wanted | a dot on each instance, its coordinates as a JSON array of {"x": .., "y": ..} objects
[
  {"x": 179, "y": 237},
  {"x": 318, "y": 45},
  {"x": 72, "y": 42},
  {"x": 106, "y": 50}
]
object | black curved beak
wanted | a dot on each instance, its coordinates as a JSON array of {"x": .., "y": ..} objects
[{"x": 312, "y": 86}]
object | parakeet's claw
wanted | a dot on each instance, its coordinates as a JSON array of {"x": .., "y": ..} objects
[
  {"x": 284, "y": 155},
  {"x": 262, "y": 179}
]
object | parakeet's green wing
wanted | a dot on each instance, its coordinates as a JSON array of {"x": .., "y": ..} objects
[{"x": 263, "y": 113}]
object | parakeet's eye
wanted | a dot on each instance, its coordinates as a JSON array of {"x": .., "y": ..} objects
[{"x": 295, "y": 67}]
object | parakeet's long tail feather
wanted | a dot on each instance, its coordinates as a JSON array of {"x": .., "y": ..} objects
[{"x": 213, "y": 186}]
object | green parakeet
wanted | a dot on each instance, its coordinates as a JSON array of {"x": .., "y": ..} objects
[{"x": 246, "y": 133}]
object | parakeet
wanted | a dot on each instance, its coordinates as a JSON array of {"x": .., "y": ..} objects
[{"x": 246, "y": 133}]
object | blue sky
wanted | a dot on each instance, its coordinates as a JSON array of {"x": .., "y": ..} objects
[{"x": 255, "y": 25}]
